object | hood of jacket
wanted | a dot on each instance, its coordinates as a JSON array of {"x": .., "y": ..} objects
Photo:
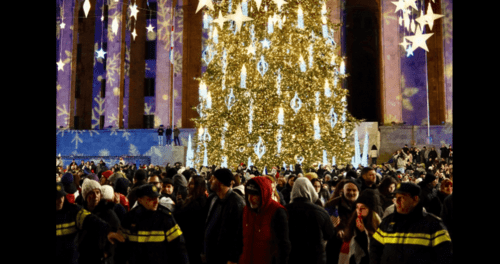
[
  {"x": 265, "y": 191},
  {"x": 303, "y": 187}
]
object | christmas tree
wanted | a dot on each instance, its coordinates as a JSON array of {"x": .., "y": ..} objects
[{"x": 272, "y": 92}]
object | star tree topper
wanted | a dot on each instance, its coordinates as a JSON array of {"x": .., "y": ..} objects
[{"x": 238, "y": 17}]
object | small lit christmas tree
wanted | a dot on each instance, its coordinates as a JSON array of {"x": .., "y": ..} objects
[{"x": 272, "y": 89}]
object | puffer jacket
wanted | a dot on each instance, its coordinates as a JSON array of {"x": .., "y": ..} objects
[{"x": 265, "y": 234}]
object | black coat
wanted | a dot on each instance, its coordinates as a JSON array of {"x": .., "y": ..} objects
[
  {"x": 309, "y": 225},
  {"x": 223, "y": 242},
  {"x": 71, "y": 220},
  {"x": 345, "y": 211},
  {"x": 191, "y": 219},
  {"x": 286, "y": 192},
  {"x": 93, "y": 245}
]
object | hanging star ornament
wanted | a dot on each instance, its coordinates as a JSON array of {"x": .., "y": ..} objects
[
  {"x": 404, "y": 43},
  {"x": 418, "y": 40},
  {"x": 134, "y": 11},
  {"x": 400, "y": 5},
  {"x": 409, "y": 52},
  {"x": 266, "y": 43},
  {"x": 251, "y": 49},
  {"x": 422, "y": 20},
  {"x": 239, "y": 18},
  {"x": 410, "y": 3},
  {"x": 62, "y": 25},
  {"x": 60, "y": 65},
  {"x": 430, "y": 17},
  {"x": 220, "y": 20},
  {"x": 100, "y": 53},
  {"x": 207, "y": 3},
  {"x": 150, "y": 28},
  {"x": 134, "y": 34}
]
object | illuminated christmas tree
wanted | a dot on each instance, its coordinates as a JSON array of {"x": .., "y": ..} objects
[{"x": 272, "y": 92}]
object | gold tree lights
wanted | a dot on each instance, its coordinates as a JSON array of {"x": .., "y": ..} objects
[{"x": 271, "y": 93}]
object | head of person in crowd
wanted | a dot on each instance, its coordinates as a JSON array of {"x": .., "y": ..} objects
[
  {"x": 168, "y": 187},
  {"x": 430, "y": 181},
  {"x": 350, "y": 191},
  {"x": 91, "y": 193},
  {"x": 317, "y": 184},
  {"x": 406, "y": 197},
  {"x": 311, "y": 175},
  {"x": 366, "y": 217},
  {"x": 303, "y": 188},
  {"x": 291, "y": 180},
  {"x": 196, "y": 187},
  {"x": 107, "y": 193},
  {"x": 369, "y": 176},
  {"x": 148, "y": 196},
  {"x": 60, "y": 196},
  {"x": 155, "y": 180},
  {"x": 387, "y": 186},
  {"x": 140, "y": 177},
  {"x": 446, "y": 186},
  {"x": 220, "y": 182},
  {"x": 121, "y": 185}
]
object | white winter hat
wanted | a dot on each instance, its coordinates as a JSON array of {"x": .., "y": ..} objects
[
  {"x": 89, "y": 185},
  {"x": 107, "y": 192}
]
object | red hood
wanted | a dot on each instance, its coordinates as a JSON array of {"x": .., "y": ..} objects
[{"x": 265, "y": 190}]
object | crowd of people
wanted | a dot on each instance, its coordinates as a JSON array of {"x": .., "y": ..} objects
[{"x": 395, "y": 212}]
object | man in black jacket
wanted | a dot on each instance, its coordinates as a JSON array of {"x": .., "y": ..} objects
[
  {"x": 160, "y": 135},
  {"x": 409, "y": 235},
  {"x": 223, "y": 233},
  {"x": 72, "y": 219},
  {"x": 153, "y": 235}
]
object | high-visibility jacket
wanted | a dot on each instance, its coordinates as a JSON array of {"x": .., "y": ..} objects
[
  {"x": 417, "y": 237},
  {"x": 153, "y": 237},
  {"x": 71, "y": 219}
]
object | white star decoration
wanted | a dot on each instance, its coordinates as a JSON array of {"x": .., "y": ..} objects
[
  {"x": 100, "y": 53},
  {"x": 134, "y": 11},
  {"x": 419, "y": 39},
  {"x": 266, "y": 43},
  {"x": 134, "y": 34},
  {"x": 60, "y": 65},
  {"x": 220, "y": 20},
  {"x": 250, "y": 50},
  {"x": 238, "y": 17},
  {"x": 62, "y": 25},
  {"x": 150, "y": 28},
  {"x": 399, "y": 5},
  {"x": 430, "y": 17},
  {"x": 203, "y": 3},
  {"x": 404, "y": 43},
  {"x": 410, "y": 3}
]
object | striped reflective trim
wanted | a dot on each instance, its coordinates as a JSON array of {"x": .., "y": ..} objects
[
  {"x": 65, "y": 229},
  {"x": 440, "y": 237},
  {"x": 146, "y": 236},
  {"x": 173, "y": 233},
  {"x": 80, "y": 217},
  {"x": 412, "y": 238}
]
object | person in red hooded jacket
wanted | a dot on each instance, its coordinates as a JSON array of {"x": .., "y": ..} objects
[{"x": 265, "y": 226}]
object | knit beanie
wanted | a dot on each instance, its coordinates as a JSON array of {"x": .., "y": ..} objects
[
  {"x": 351, "y": 174},
  {"x": 89, "y": 185},
  {"x": 369, "y": 198},
  {"x": 225, "y": 176},
  {"x": 107, "y": 192},
  {"x": 121, "y": 185},
  {"x": 68, "y": 184},
  {"x": 171, "y": 173},
  {"x": 429, "y": 177}
]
